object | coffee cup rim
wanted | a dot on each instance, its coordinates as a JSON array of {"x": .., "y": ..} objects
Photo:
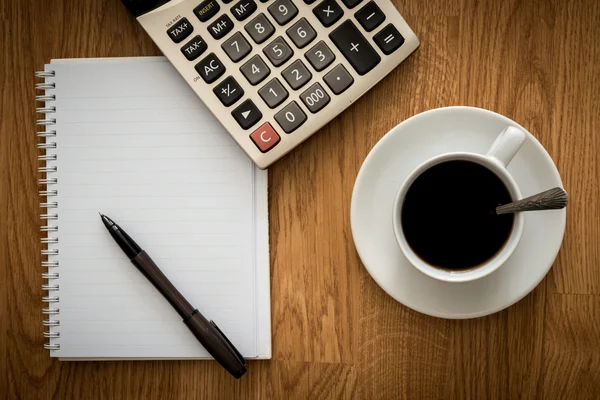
[{"x": 493, "y": 263}]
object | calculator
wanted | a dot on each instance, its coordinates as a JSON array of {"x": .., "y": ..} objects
[{"x": 274, "y": 72}]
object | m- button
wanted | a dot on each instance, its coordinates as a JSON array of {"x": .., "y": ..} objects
[{"x": 265, "y": 137}]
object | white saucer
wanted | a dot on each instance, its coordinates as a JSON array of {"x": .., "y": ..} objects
[{"x": 399, "y": 152}]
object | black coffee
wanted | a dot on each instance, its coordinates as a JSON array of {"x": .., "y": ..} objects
[{"x": 448, "y": 219}]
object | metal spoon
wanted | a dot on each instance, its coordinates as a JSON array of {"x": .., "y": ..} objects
[{"x": 552, "y": 199}]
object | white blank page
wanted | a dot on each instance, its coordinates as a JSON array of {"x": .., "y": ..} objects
[{"x": 135, "y": 143}]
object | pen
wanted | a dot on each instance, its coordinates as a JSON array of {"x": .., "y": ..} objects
[{"x": 207, "y": 332}]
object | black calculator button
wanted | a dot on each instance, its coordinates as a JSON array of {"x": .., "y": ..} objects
[
  {"x": 236, "y": 47},
  {"x": 228, "y": 91},
  {"x": 328, "y": 12},
  {"x": 220, "y": 27},
  {"x": 320, "y": 56},
  {"x": 273, "y": 93},
  {"x": 194, "y": 48},
  {"x": 351, "y": 3},
  {"x": 355, "y": 47},
  {"x": 210, "y": 68},
  {"x": 206, "y": 10},
  {"x": 255, "y": 70},
  {"x": 301, "y": 33},
  {"x": 290, "y": 117},
  {"x": 278, "y": 51},
  {"x": 243, "y": 9},
  {"x": 338, "y": 79},
  {"x": 283, "y": 11},
  {"x": 226, "y": 1},
  {"x": 389, "y": 39},
  {"x": 246, "y": 114},
  {"x": 180, "y": 30},
  {"x": 296, "y": 75},
  {"x": 315, "y": 98},
  {"x": 309, "y": 1},
  {"x": 259, "y": 29},
  {"x": 370, "y": 16}
]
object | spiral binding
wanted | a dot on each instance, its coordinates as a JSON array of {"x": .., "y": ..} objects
[{"x": 48, "y": 112}]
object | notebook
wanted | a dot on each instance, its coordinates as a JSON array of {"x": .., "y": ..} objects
[{"x": 129, "y": 138}]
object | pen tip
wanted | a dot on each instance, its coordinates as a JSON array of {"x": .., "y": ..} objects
[{"x": 101, "y": 215}]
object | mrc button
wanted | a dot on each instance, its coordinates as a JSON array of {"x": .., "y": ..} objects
[{"x": 206, "y": 10}]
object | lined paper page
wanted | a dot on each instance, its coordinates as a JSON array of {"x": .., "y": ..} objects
[{"x": 136, "y": 144}]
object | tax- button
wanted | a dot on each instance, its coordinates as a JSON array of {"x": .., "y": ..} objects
[
  {"x": 247, "y": 114},
  {"x": 265, "y": 137}
]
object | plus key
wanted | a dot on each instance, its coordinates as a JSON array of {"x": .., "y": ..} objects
[{"x": 353, "y": 45}]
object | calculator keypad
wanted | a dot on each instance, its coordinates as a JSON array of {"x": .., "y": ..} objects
[
  {"x": 236, "y": 47},
  {"x": 255, "y": 70},
  {"x": 278, "y": 51},
  {"x": 259, "y": 29},
  {"x": 301, "y": 33},
  {"x": 353, "y": 45},
  {"x": 228, "y": 91},
  {"x": 194, "y": 48},
  {"x": 320, "y": 56},
  {"x": 206, "y": 10},
  {"x": 280, "y": 69},
  {"x": 243, "y": 9},
  {"x": 220, "y": 27},
  {"x": 210, "y": 68},
  {"x": 247, "y": 114},
  {"x": 180, "y": 30},
  {"x": 296, "y": 75},
  {"x": 328, "y": 12},
  {"x": 283, "y": 11},
  {"x": 290, "y": 117},
  {"x": 273, "y": 93}
]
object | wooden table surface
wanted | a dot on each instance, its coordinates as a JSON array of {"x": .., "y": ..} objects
[{"x": 336, "y": 334}]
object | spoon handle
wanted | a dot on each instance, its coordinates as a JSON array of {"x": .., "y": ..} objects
[{"x": 552, "y": 199}]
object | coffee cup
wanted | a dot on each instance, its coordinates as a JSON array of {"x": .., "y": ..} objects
[{"x": 438, "y": 220}]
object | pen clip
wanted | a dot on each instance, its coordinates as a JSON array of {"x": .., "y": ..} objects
[{"x": 237, "y": 353}]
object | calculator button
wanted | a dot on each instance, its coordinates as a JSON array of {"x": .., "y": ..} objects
[
  {"x": 243, "y": 9},
  {"x": 180, "y": 30},
  {"x": 210, "y": 68},
  {"x": 338, "y": 79},
  {"x": 290, "y": 117},
  {"x": 389, "y": 39},
  {"x": 246, "y": 114},
  {"x": 283, "y": 11},
  {"x": 236, "y": 47},
  {"x": 259, "y": 29},
  {"x": 255, "y": 70},
  {"x": 206, "y": 10},
  {"x": 228, "y": 91},
  {"x": 320, "y": 56},
  {"x": 296, "y": 75},
  {"x": 328, "y": 12},
  {"x": 194, "y": 48},
  {"x": 309, "y": 1},
  {"x": 278, "y": 51},
  {"x": 315, "y": 98},
  {"x": 351, "y": 3},
  {"x": 370, "y": 16},
  {"x": 273, "y": 93},
  {"x": 301, "y": 33},
  {"x": 355, "y": 47},
  {"x": 220, "y": 27},
  {"x": 265, "y": 137}
]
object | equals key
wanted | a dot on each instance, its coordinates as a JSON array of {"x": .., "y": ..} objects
[{"x": 389, "y": 39}]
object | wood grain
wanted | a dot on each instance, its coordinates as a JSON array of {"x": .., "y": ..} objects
[{"x": 336, "y": 334}]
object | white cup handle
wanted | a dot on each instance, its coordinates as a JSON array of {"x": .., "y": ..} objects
[{"x": 506, "y": 145}]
